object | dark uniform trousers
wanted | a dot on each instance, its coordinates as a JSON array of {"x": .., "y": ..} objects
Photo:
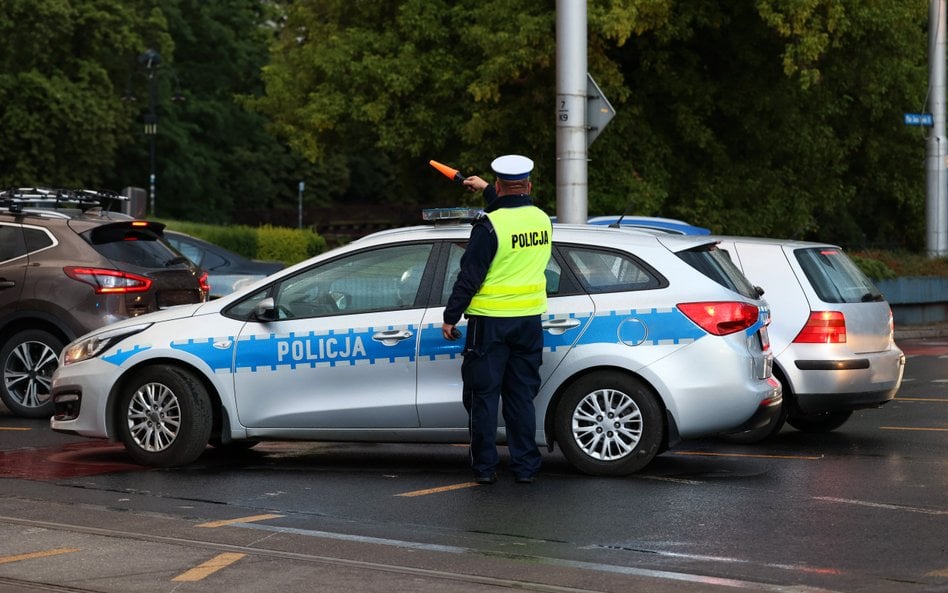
[{"x": 502, "y": 357}]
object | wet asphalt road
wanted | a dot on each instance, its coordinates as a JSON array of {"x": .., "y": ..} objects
[{"x": 863, "y": 509}]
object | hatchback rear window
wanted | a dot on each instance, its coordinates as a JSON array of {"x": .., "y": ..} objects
[
  {"x": 717, "y": 265},
  {"x": 140, "y": 247},
  {"x": 835, "y": 277}
]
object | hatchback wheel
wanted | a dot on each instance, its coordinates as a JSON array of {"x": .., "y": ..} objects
[
  {"x": 609, "y": 424},
  {"x": 165, "y": 417},
  {"x": 29, "y": 358},
  {"x": 825, "y": 422}
]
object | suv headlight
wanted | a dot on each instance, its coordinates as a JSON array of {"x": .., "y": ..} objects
[{"x": 95, "y": 344}]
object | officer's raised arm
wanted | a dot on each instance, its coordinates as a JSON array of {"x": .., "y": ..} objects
[{"x": 474, "y": 183}]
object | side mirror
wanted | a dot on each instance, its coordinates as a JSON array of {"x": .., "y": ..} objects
[{"x": 265, "y": 310}]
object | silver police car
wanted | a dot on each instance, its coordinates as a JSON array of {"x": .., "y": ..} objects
[{"x": 648, "y": 340}]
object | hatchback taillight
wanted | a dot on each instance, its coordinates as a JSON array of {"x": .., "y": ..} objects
[
  {"x": 721, "y": 318},
  {"x": 823, "y": 327},
  {"x": 106, "y": 281}
]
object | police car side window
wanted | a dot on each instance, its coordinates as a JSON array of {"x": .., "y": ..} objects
[
  {"x": 553, "y": 274},
  {"x": 456, "y": 250},
  {"x": 610, "y": 271},
  {"x": 374, "y": 280}
]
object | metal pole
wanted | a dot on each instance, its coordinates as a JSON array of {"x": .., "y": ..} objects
[
  {"x": 571, "y": 166},
  {"x": 300, "y": 206},
  {"x": 150, "y": 60},
  {"x": 936, "y": 200},
  {"x": 151, "y": 176}
]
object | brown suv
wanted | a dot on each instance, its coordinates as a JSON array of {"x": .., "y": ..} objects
[{"x": 67, "y": 266}]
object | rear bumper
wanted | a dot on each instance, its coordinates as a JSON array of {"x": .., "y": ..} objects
[
  {"x": 767, "y": 411},
  {"x": 833, "y": 385},
  {"x": 818, "y": 403}
]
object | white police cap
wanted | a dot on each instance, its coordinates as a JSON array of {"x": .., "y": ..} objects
[{"x": 512, "y": 166}]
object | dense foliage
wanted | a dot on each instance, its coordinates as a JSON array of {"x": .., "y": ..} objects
[
  {"x": 764, "y": 117},
  {"x": 264, "y": 242}
]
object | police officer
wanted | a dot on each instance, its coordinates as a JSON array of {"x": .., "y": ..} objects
[{"x": 501, "y": 289}]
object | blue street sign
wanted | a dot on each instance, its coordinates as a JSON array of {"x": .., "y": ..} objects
[{"x": 918, "y": 119}]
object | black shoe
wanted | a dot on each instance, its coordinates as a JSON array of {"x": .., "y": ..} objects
[
  {"x": 525, "y": 479},
  {"x": 486, "y": 479}
]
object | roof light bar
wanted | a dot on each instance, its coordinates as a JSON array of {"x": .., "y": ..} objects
[{"x": 456, "y": 214}]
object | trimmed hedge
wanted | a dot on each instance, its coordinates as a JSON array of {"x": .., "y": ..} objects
[
  {"x": 264, "y": 242},
  {"x": 882, "y": 265}
]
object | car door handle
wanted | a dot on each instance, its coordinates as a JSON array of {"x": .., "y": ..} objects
[
  {"x": 392, "y": 337},
  {"x": 560, "y": 326},
  {"x": 7, "y": 283}
]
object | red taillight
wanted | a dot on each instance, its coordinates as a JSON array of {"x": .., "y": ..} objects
[
  {"x": 106, "y": 281},
  {"x": 823, "y": 327},
  {"x": 205, "y": 285},
  {"x": 721, "y": 318}
]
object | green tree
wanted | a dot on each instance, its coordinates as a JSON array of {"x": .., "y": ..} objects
[
  {"x": 396, "y": 84},
  {"x": 776, "y": 117},
  {"x": 61, "y": 114},
  {"x": 216, "y": 161},
  {"x": 784, "y": 118}
]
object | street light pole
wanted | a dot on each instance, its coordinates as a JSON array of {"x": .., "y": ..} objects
[{"x": 150, "y": 59}]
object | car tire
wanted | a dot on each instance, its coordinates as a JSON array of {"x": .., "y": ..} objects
[
  {"x": 818, "y": 423},
  {"x": 757, "y": 435},
  {"x": 165, "y": 417},
  {"x": 29, "y": 358},
  {"x": 609, "y": 424}
]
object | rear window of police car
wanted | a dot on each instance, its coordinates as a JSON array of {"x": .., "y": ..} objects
[{"x": 717, "y": 265}]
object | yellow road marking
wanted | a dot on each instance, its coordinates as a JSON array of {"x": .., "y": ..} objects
[
  {"x": 31, "y": 555},
  {"x": 250, "y": 519},
  {"x": 913, "y": 428},
  {"x": 15, "y": 428},
  {"x": 761, "y": 455},
  {"x": 938, "y": 573},
  {"x": 921, "y": 399},
  {"x": 437, "y": 490},
  {"x": 208, "y": 568}
]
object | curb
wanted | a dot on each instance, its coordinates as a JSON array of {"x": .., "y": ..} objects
[{"x": 915, "y": 332}]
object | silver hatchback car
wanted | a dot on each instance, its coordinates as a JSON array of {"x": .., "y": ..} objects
[
  {"x": 832, "y": 332},
  {"x": 648, "y": 340}
]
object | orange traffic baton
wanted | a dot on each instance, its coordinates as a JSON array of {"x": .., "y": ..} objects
[{"x": 447, "y": 171}]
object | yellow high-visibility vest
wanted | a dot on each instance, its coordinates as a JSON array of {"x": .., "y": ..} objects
[{"x": 515, "y": 285}]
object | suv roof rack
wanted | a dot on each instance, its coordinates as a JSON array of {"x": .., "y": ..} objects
[{"x": 16, "y": 198}]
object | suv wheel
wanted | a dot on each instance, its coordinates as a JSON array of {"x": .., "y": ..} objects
[
  {"x": 29, "y": 358},
  {"x": 609, "y": 424},
  {"x": 165, "y": 417}
]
